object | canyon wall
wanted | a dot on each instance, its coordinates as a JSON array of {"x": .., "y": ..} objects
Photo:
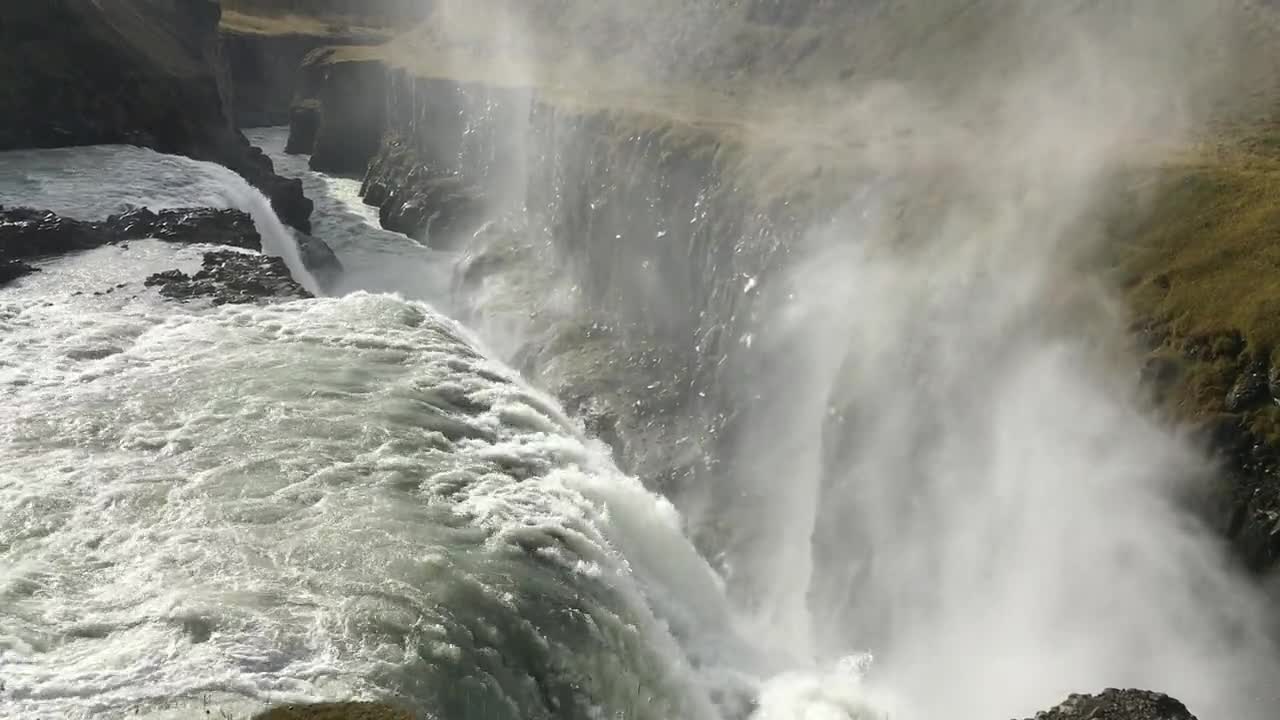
[
  {"x": 141, "y": 72},
  {"x": 667, "y": 235}
]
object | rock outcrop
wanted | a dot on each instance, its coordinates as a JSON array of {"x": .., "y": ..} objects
[
  {"x": 1116, "y": 704},
  {"x": 26, "y": 233},
  {"x": 228, "y": 277},
  {"x": 141, "y": 72},
  {"x": 243, "y": 275}
]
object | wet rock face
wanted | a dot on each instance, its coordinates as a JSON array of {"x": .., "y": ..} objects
[
  {"x": 140, "y": 72},
  {"x": 11, "y": 270},
  {"x": 437, "y": 206},
  {"x": 1119, "y": 705},
  {"x": 203, "y": 225},
  {"x": 231, "y": 277},
  {"x": 26, "y": 233}
]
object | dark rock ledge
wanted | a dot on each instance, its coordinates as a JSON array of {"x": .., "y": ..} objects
[
  {"x": 230, "y": 277},
  {"x": 1113, "y": 704},
  {"x": 227, "y": 276}
]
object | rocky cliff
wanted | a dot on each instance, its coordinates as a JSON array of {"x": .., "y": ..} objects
[
  {"x": 142, "y": 72},
  {"x": 263, "y": 57}
]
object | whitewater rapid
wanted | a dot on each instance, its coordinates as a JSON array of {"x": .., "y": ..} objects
[
  {"x": 218, "y": 509},
  {"x": 223, "y": 508}
]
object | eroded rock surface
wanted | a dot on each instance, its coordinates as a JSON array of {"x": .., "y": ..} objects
[
  {"x": 26, "y": 233},
  {"x": 231, "y": 277},
  {"x": 1113, "y": 704}
]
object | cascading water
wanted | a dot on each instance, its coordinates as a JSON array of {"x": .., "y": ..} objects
[
  {"x": 955, "y": 507},
  {"x": 213, "y": 509}
]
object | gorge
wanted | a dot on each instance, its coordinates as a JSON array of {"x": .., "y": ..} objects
[{"x": 729, "y": 360}]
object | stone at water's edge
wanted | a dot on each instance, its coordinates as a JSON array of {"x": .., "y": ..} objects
[
  {"x": 26, "y": 233},
  {"x": 11, "y": 270},
  {"x": 1113, "y": 704},
  {"x": 229, "y": 277}
]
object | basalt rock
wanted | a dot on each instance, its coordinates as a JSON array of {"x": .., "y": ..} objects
[
  {"x": 231, "y": 277},
  {"x": 11, "y": 270},
  {"x": 1116, "y": 704},
  {"x": 203, "y": 225},
  {"x": 140, "y": 72},
  {"x": 26, "y": 233}
]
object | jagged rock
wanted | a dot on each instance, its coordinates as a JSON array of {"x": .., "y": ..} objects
[
  {"x": 27, "y": 233},
  {"x": 440, "y": 208},
  {"x": 216, "y": 227},
  {"x": 1113, "y": 704},
  {"x": 230, "y": 277}
]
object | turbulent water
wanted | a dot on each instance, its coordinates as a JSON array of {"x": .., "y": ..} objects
[
  {"x": 326, "y": 499},
  {"x": 217, "y": 509}
]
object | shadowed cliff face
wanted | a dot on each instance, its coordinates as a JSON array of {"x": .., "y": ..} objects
[{"x": 141, "y": 72}]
